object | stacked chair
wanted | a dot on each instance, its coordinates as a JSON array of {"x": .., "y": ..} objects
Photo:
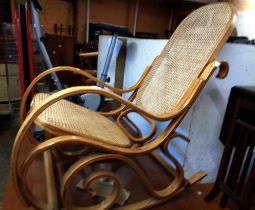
[{"x": 83, "y": 148}]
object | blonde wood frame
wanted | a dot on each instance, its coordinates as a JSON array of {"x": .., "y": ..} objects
[
  {"x": 95, "y": 143},
  {"x": 140, "y": 145}
]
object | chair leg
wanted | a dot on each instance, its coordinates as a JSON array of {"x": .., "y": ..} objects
[
  {"x": 186, "y": 182},
  {"x": 221, "y": 174},
  {"x": 248, "y": 193},
  {"x": 224, "y": 200},
  {"x": 52, "y": 196}
]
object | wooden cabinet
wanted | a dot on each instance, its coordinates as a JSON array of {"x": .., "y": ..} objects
[
  {"x": 236, "y": 175},
  {"x": 60, "y": 49},
  {"x": 5, "y": 11}
]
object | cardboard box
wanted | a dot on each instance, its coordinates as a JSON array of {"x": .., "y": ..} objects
[
  {"x": 13, "y": 69},
  {"x": 14, "y": 88}
]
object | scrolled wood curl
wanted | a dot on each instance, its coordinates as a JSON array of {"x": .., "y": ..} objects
[
  {"x": 168, "y": 191},
  {"x": 107, "y": 203}
]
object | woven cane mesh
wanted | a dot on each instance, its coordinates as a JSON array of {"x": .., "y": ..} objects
[
  {"x": 74, "y": 119},
  {"x": 184, "y": 57}
]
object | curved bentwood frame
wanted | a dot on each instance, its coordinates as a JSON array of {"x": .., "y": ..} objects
[{"x": 108, "y": 152}]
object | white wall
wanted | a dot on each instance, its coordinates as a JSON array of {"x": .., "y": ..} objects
[
  {"x": 245, "y": 23},
  {"x": 210, "y": 108},
  {"x": 203, "y": 122}
]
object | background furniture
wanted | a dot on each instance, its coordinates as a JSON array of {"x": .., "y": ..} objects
[
  {"x": 5, "y": 11},
  {"x": 236, "y": 176},
  {"x": 9, "y": 74}
]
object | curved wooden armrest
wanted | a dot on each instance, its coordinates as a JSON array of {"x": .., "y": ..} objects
[
  {"x": 97, "y": 90},
  {"x": 186, "y": 101},
  {"x": 22, "y": 112}
]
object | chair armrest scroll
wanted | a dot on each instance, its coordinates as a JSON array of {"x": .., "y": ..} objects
[
  {"x": 221, "y": 65},
  {"x": 22, "y": 112},
  {"x": 223, "y": 70}
]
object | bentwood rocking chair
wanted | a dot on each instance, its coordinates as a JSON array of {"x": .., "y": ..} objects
[{"x": 81, "y": 144}]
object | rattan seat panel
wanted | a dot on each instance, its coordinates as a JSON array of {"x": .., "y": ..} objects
[
  {"x": 193, "y": 44},
  {"x": 73, "y": 119}
]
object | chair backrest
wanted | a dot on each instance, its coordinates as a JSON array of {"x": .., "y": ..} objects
[{"x": 196, "y": 41}]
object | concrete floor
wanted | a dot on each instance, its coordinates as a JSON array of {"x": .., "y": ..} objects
[
  {"x": 8, "y": 129},
  {"x": 6, "y": 141}
]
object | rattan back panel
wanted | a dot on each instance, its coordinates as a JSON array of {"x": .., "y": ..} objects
[{"x": 193, "y": 44}]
